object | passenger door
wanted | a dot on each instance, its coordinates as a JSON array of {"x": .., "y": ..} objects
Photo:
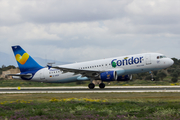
[{"x": 148, "y": 59}]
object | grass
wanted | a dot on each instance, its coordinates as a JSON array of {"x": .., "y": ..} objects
[
  {"x": 112, "y": 97},
  {"x": 22, "y": 83},
  {"x": 100, "y": 106}
]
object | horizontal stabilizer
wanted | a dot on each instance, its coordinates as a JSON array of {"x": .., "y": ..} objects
[{"x": 21, "y": 75}]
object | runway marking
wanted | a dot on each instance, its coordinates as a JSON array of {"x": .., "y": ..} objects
[{"x": 80, "y": 89}]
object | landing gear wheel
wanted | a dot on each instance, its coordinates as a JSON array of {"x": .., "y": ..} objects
[
  {"x": 101, "y": 85},
  {"x": 91, "y": 86}
]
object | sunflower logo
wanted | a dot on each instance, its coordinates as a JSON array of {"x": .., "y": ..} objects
[
  {"x": 114, "y": 64},
  {"x": 126, "y": 58}
]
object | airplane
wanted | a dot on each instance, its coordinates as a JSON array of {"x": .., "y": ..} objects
[{"x": 106, "y": 70}]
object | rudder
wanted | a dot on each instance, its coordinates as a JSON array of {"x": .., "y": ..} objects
[{"x": 24, "y": 60}]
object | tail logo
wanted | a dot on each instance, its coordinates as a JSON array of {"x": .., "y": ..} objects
[{"x": 22, "y": 59}]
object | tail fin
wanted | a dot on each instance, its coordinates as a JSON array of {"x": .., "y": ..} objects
[{"x": 24, "y": 60}]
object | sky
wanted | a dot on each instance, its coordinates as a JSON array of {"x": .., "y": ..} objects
[{"x": 83, "y": 30}]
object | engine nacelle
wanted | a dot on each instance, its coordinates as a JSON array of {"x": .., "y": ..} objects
[
  {"x": 108, "y": 76},
  {"x": 124, "y": 78}
]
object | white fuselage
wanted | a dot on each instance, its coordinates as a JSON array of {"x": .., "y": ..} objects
[{"x": 123, "y": 65}]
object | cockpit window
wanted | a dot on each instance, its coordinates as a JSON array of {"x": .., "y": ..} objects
[
  {"x": 160, "y": 57},
  {"x": 164, "y": 57}
]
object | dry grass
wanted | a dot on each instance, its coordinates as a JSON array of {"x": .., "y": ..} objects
[{"x": 109, "y": 96}]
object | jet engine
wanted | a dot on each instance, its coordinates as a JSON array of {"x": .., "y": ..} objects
[
  {"x": 108, "y": 76},
  {"x": 124, "y": 78}
]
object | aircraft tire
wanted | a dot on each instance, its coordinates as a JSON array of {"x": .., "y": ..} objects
[
  {"x": 91, "y": 86},
  {"x": 102, "y": 85}
]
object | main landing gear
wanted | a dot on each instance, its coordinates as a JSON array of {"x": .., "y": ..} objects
[
  {"x": 101, "y": 85},
  {"x": 92, "y": 85}
]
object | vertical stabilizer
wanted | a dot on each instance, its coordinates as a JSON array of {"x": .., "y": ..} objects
[{"x": 24, "y": 60}]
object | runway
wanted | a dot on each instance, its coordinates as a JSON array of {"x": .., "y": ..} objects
[{"x": 80, "y": 89}]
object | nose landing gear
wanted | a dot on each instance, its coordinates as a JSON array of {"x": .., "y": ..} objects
[{"x": 152, "y": 78}]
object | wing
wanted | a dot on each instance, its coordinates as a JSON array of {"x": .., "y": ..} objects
[{"x": 84, "y": 73}]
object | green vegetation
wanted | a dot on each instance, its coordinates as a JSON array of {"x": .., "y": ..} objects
[
  {"x": 123, "y": 106},
  {"x": 111, "y": 97},
  {"x": 174, "y": 79},
  {"x": 22, "y": 83}
]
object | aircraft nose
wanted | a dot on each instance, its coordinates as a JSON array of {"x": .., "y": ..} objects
[{"x": 171, "y": 62}]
